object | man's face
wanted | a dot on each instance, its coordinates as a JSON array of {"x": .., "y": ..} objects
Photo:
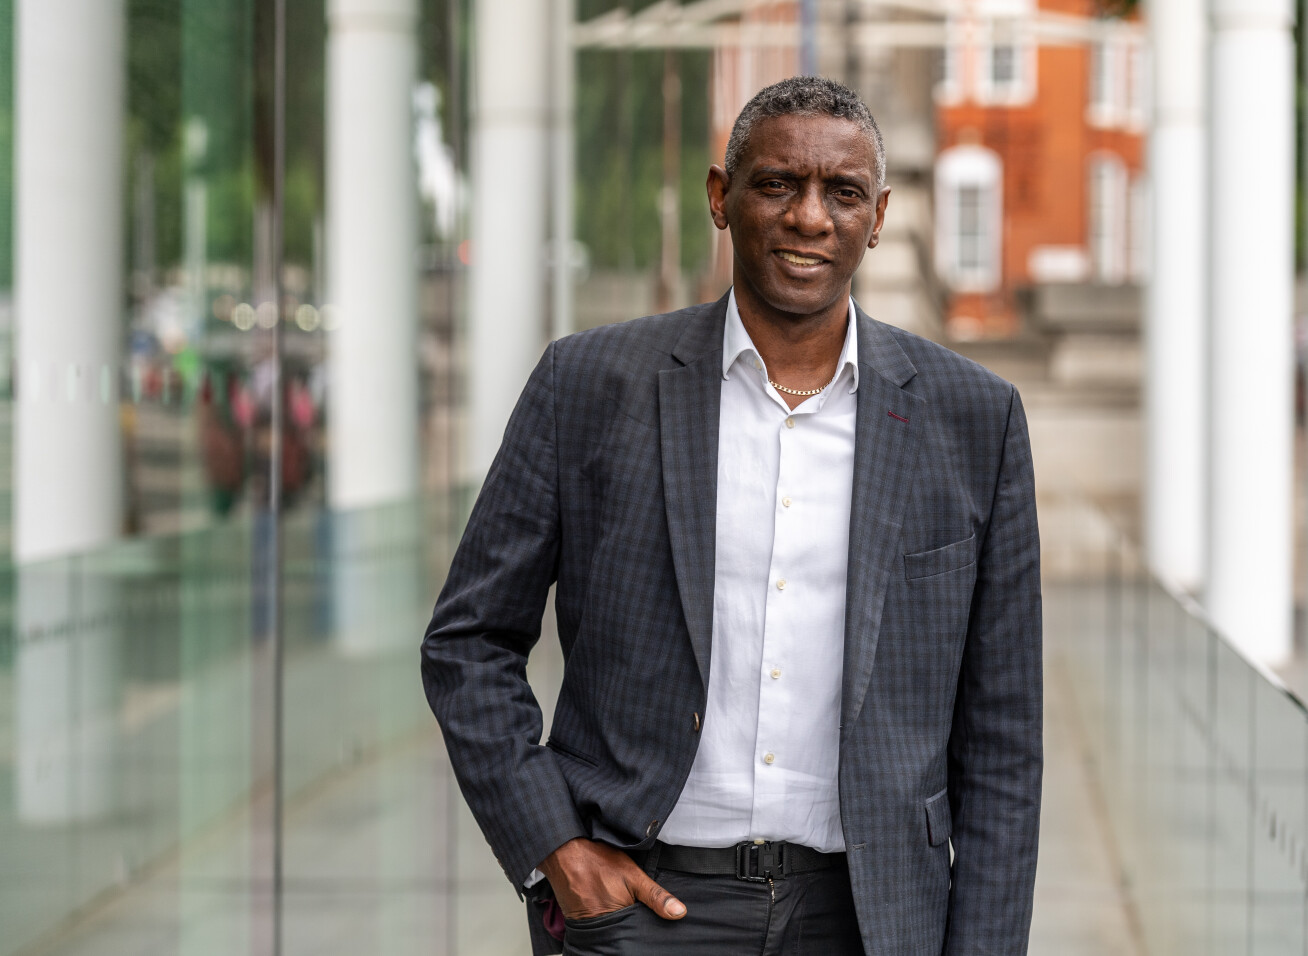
[{"x": 802, "y": 208}]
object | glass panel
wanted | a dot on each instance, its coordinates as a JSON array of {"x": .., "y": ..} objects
[
  {"x": 1202, "y": 762},
  {"x": 1280, "y": 804},
  {"x": 142, "y": 805},
  {"x": 366, "y": 825},
  {"x": 1232, "y": 818}
]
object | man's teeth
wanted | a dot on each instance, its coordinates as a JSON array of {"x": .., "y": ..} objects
[{"x": 799, "y": 260}]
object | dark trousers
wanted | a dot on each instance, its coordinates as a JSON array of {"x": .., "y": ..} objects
[{"x": 809, "y": 914}]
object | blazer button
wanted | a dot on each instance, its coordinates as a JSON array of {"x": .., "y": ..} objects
[
  {"x": 653, "y": 825},
  {"x": 696, "y": 715}
]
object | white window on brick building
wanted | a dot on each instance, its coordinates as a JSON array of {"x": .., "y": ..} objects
[
  {"x": 1109, "y": 235},
  {"x": 1006, "y": 65},
  {"x": 1139, "y": 235},
  {"x": 1107, "y": 83},
  {"x": 1139, "y": 86},
  {"x": 969, "y": 218}
]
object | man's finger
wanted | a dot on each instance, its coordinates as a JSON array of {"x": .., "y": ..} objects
[{"x": 657, "y": 898}]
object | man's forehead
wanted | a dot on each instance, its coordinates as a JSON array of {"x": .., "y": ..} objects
[{"x": 809, "y": 138}]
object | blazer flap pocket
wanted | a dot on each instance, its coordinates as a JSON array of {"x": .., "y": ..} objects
[
  {"x": 940, "y": 822},
  {"x": 939, "y": 560},
  {"x": 561, "y": 748}
]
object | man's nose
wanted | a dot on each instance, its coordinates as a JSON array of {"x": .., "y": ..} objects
[{"x": 809, "y": 213}]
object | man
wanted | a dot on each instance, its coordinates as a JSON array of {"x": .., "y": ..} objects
[{"x": 797, "y": 593}]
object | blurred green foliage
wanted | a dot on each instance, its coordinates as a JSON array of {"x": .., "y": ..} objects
[
  {"x": 6, "y": 146},
  {"x": 620, "y": 157},
  {"x": 620, "y": 151},
  {"x": 191, "y": 65},
  {"x": 1301, "y": 164}
]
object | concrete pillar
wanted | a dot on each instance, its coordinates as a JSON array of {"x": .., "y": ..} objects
[
  {"x": 1176, "y": 326},
  {"x": 510, "y": 202},
  {"x": 1250, "y": 269},
  {"x": 563, "y": 67},
  {"x": 68, "y": 275},
  {"x": 372, "y": 202},
  {"x": 68, "y": 483}
]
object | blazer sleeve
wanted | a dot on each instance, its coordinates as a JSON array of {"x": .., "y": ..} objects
[
  {"x": 995, "y": 748},
  {"x": 486, "y": 620}
]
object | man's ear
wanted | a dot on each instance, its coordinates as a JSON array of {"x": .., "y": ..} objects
[
  {"x": 883, "y": 198},
  {"x": 718, "y": 184}
]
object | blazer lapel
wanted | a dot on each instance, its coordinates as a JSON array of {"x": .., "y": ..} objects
[
  {"x": 886, "y": 451},
  {"x": 689, "y": 400}
]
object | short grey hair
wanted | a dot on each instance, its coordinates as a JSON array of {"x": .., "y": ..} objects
[{"x": 805, "y": 96}]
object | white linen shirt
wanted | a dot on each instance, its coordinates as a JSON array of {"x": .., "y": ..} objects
[{"x": 768, "y": 758}]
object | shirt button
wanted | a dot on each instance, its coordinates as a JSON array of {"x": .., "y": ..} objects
[
  {"x": 776, "y": 673},
  {"x": 781, "y": 584},
  {"x": 785, "y": 502},
  {"x": 767, "y": 758},
  {"x": 790, "y": 423},
  {"x": 758, "y": 365}
]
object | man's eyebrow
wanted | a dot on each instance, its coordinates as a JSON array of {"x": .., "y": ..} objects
[
  {"x": 846, "y": 179},
  {"x": 836, "y": 179}
]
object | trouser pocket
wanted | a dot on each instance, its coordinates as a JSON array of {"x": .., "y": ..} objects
[{"x": 612, "y": 934}]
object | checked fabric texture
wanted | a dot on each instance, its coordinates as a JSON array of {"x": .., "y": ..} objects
[{"x": 606, "y": 484}]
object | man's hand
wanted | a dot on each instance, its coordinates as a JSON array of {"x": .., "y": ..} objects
[{"x": 591, "y": 879}]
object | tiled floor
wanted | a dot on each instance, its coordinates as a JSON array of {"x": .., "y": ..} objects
[
  {"x": 1080, "y": 906},
  {"x": 356, "y": 885}
]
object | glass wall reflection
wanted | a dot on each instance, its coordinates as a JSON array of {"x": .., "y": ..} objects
[
  {"x": 179, "y": 338},
  {"x": 313, "y": 247},
  {"x": 144, "y": 804}
]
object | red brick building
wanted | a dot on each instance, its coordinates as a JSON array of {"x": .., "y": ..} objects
[{"x": 1039, "y": 177}]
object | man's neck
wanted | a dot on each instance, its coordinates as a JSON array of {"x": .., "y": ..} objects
[{"x": 801, "y": 352}]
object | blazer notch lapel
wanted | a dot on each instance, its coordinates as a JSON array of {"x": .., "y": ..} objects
[
  {"x": 886, "y": 452},
  {"x": 689, "y": 401}
]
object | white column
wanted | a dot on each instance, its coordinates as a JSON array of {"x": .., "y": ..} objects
[
  {"x": 1176, "y": 324},
  {"x": 68, "y": 483},
  {"x": 372, "y": 201},
  {"x": 1250, "y": 269},
  {"x": 563, "y": 67},
  {"x": 68, "y": 266},
  {"x": 510, "y": 178}
]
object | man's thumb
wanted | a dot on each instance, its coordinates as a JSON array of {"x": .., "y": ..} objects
[{"x": 658, "y": 899}]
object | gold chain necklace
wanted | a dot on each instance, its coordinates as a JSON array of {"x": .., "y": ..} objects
[{"x": 802, "y": 392}]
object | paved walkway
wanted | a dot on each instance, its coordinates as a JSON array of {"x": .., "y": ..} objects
[
  {"x": 1080, "y": 908},
  {"x": 370, "y": 862}
]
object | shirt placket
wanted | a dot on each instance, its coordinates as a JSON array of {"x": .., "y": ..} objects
[{"x": 775, "y": 699}]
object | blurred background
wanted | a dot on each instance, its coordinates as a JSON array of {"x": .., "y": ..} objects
[{"x": 272, "y": 273}]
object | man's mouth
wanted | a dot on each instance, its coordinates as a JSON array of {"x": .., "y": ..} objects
[{"x": 798, "y": 259}]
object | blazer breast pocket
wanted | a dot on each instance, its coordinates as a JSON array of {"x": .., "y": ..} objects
[
  {"x": 926, "y": 564},
  {"x": 940, "y": 823}
]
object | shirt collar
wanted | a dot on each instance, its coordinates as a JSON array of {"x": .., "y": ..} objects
[{"x": 736, "y": 342}]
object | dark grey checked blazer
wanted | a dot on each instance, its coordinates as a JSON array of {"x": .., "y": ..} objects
[{"x": 606, "y": 483}]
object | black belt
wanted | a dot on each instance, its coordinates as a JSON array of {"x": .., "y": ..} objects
[{"x": 755, "y": 862}]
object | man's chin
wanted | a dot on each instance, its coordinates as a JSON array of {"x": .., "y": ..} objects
[{"x": 805, "y": 306}]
